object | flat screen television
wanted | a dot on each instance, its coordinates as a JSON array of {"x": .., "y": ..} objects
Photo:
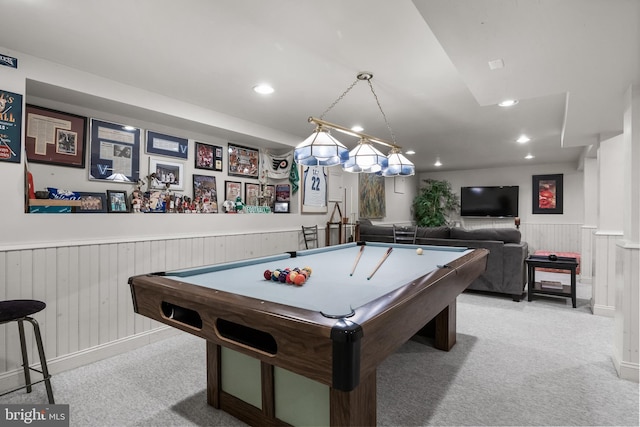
[{"x": 489, "y": 201}]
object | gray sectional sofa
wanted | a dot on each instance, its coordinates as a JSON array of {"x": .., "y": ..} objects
[{"x": 506, "y": 271}]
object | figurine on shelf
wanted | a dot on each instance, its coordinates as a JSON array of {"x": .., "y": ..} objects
[
  {"x": 229, "y": 206},
  {"x": 239, "y": 204},
  {"x": 136, "y": 201}
]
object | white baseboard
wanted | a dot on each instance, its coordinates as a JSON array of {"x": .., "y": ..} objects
[
  {"x": 13, "y": 379},
  {"x": 603, "y": 310},
  {"x": 627, "y": 370}
]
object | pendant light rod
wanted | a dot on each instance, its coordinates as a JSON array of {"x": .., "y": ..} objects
[{"x": 351, "y": 132}]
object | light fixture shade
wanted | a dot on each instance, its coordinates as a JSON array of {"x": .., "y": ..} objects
[
  {"x": 399, "y": 165},
  {"x": 365, "y": 158},
  {"x": 320, "y": 149}
]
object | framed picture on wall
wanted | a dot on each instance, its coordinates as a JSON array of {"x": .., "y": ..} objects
[
  {"x": 115, "y": 152},
  {"x": 117, "y": 201},
  {"x": 547, "y": 194},
  {"x": 208, "y": 157},
  {"x": 205, "y": 193},
  {"x": 371, "y": 199},
  {"x": 314, "y": 189},
  {"x": 252, "y": 194},
  {"x": 283, "y": 198},
  {"x": 55, "y": 138},
  {"x": 167, "y": 145},
  {"x": 243, "y": 161},
  {"x": 92, "y": 202},
  {"x": 166, "y": 174},
  {"x": 232, "y": 189}
]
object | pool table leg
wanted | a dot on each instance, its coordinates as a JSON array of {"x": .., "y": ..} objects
[
  {"x": 445, "y": 324},
  {"x": 356, "y": 407},
  {"x": 213, "y": 374}
]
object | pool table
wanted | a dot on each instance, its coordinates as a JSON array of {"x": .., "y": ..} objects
[{"x": 280, "y": 354}]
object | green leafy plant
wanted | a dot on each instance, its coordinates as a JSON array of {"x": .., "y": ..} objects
[{"x": 434, "y": 203}]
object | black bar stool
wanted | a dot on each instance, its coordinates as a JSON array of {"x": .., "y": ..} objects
[{"x": 19, "y": 311}]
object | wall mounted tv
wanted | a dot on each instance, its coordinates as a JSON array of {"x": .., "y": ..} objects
[{"x": 489, "y": 201}]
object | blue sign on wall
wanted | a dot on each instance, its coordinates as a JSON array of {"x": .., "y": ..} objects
[
  {"x": 8, "y": 61},
  {"x": 10, "y": 126}
]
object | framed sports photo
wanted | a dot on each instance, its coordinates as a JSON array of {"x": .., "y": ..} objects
[
  {"x": 205, "y": 193},
  {"x": 117, "y": 201},
  {"x": 208, "y": 157},
  {"x": 243, "y": 161},
  {"x": 232, "y": 189},
  {"x": 281, "y": 207},
  {"x": 252, "y": 194},
  {"x": 92, "y": 203},
  {"x": 115, "y": 152},
  {"x": 167, "y": 145},
  {"x": 55, "y": 138},
  {"x": 166, "y": 174}
]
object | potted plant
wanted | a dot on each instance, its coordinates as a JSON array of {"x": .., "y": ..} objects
[{"x": 434, "y": 203}]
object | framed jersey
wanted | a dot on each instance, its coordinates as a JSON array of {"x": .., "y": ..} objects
[{"x": 314, "y": 189}]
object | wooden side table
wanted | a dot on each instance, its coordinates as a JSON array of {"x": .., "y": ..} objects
[{"x": 558, "y": 263}]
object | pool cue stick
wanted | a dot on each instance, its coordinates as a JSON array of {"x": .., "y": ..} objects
[
  {"x": 357, "y": 260},
  {"x": 384, "y": 257}
]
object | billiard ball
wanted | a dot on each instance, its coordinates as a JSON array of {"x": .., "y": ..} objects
[
  {"x": 267, "y": 274},
  {"x": 419, "y": 251},
  {"x": 308, "y": 269},
  {"x": 299, "y": 279}
]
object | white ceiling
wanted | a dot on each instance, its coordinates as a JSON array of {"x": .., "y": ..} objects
[{"x": 569, "y": 63}]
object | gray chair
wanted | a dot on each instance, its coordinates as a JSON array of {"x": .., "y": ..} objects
[
  {"x": 19, "y": 311},
  {"x": 406, "y": 235},
  {"x": 310, "y": 235}
]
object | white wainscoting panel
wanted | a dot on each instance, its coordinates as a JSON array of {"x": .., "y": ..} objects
[
  {"x": 604, "y": 277},
  {"x": 586, "y": 258},
  {"x": 626, "y": 345},
  {"x": 552, "y": 237},
  {"x": 85, "y": 287},
  {"x": 545, "y": 237}
]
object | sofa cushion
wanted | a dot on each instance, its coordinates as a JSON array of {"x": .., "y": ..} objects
[
  {"x": 433, "y": 232},
  {"x": 506, "y": 235}
]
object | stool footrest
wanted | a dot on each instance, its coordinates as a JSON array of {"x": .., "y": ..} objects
[{"x": 26, "y": 386}]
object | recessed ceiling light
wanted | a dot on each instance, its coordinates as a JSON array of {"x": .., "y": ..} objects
[
  {"x": 529, "y": 156},
  {"x": 523, "y": 139},
  {"x": 128, "y": 128},
  {"x": 410, "y": 152},
  {"x": 357, "y": 128},
  {"x": 438, "y": 163},
  {"x": 496, "y": 64},
  {"x": 508, "y": 103},
  {"x": 263, "y": 89}
]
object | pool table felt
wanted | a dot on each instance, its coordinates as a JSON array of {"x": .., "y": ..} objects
[{"x": 330, "y": 289}]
